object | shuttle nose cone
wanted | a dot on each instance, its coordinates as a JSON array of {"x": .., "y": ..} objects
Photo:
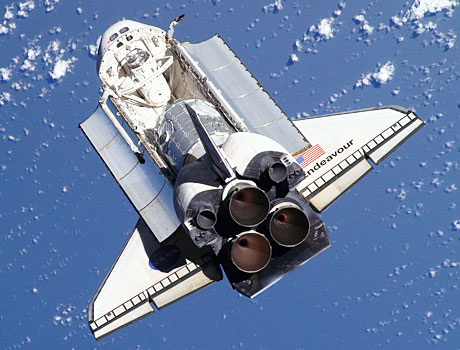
[
  {"x": 249, "y": 206},
  {"x": 289, "y": 227},
  {"x": 251, "y": 252}
]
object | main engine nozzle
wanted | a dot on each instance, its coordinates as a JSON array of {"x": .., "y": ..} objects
[
  {"x": 289, "y": 226},
  {"x": 251, "y": 252},
  {"x": 248, "y": 206}
]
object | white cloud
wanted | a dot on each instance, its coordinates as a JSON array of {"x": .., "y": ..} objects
[
  {"x": 382, "y": 75},
  {"x": 61, "y": 68}
]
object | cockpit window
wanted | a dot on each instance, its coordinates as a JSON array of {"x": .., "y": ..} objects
[
  {"x": 113, "y": 36},
  {"x": 124, "y": 30}
]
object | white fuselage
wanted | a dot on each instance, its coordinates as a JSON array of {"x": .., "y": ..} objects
[{"x": 144, "y": 72}]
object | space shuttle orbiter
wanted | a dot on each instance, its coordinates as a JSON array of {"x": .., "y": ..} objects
[{"x": 220, "y": 176}]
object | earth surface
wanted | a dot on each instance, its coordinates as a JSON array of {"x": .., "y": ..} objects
[{"x": 391, "y": 277}]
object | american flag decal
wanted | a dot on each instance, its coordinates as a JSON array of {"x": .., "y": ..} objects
[{"x": 310, "y": 155}]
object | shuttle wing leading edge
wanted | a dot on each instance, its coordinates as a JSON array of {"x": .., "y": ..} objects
[
  {"x": 146, "y": 274},
  {"x": 345, "y": 144}
]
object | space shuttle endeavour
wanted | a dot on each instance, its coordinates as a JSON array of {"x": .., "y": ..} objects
[{"x": 222, "y": 179}]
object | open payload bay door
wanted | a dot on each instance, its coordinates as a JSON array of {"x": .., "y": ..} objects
[
  {"x": 244, "y": 93},
  {"x": 147, "y": 189},
  {"x": 343, "y": 144},
  {"x": 147, "y": 273}
]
